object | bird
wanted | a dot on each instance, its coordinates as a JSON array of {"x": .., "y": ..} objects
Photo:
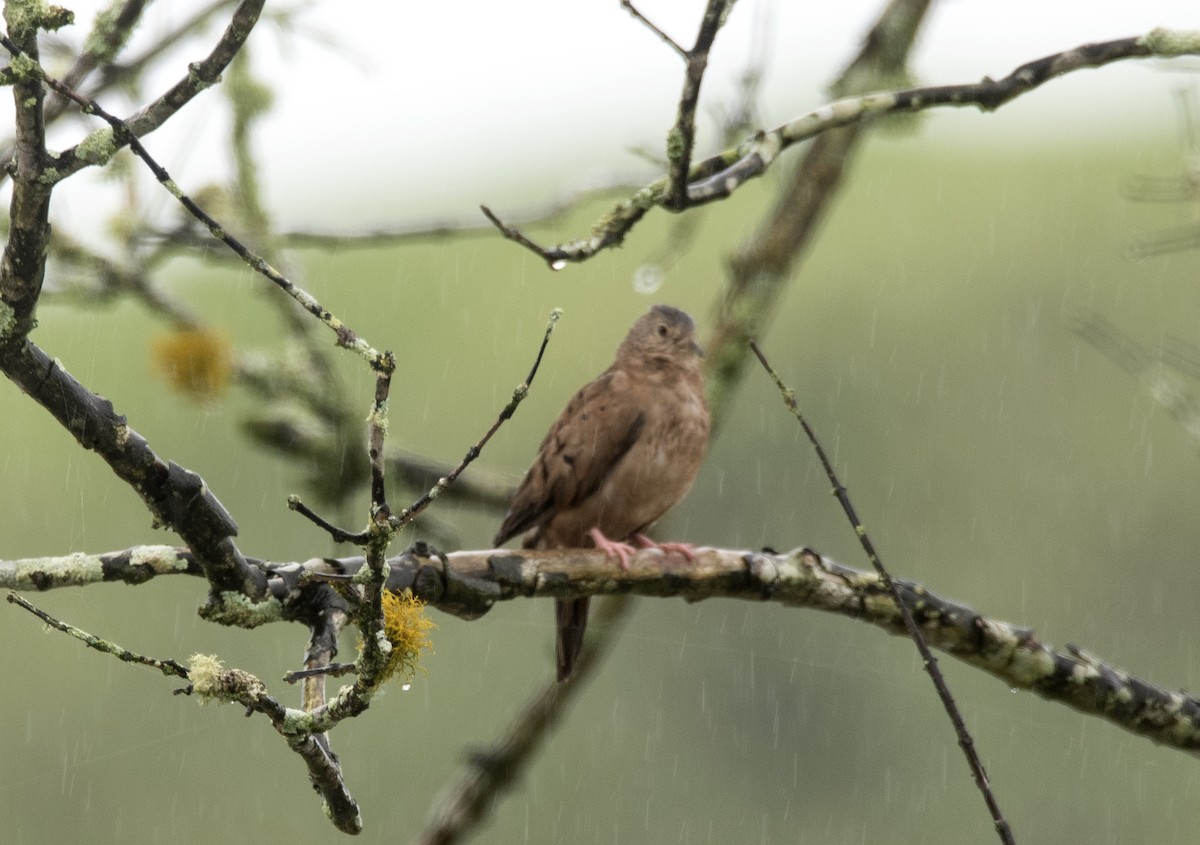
[{"x": 625, "y": 450}]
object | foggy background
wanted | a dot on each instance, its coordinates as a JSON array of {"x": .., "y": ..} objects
[{"x": 995, "y": 456}]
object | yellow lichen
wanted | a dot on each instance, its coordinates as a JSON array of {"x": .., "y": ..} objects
[
  {"x": 195, "y": 361},
  {"x": 407, "y": 629}
]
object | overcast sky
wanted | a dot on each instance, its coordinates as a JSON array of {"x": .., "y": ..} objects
[{"x": 440, "y": 103}]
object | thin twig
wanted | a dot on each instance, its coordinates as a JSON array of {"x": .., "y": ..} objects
[
  {"x": 518, "y": 395},
  {"x": 965, "y": 741},
  {"x": 210, "y": 681},
  {"x": 666, "y": 39},
  {"x": 339, "y": 535},
  {"x": 557, "y": 259},
  {"x": 168, "y": 667},
  {"x": 332, "y": 670}
]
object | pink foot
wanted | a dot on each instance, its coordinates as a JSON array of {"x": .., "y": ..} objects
[
  {"x": 612, "y": 548},
  {"x": 685, "y": 549}
]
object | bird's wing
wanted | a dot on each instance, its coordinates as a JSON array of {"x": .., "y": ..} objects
[{"x": 599, "y": 425}]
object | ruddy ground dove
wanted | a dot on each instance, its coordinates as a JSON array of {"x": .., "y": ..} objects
[{"x": 624, "y": 451}]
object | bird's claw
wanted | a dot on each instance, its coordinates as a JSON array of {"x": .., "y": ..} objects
[
  {"x": 613, "y": 548},
  {"x": 685, "y": 549}
]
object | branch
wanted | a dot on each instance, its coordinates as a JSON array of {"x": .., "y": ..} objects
[
  {"x": 210, "y": 681},
  {"x": 168, "y": 667},
  {"x": 492, "y": 770},
  {"x": 721, "y": 175},
  {"x": 97, "y": 148},
  {"x": 965, "y": 741},
  {"x": 467, "y": 584},
  {"x": 682, "y": 137},
  {"x": 121, "y": 133},
  {"x": 130, "y": 566},
  {"x": 666, "y": 39},
  {"x": 761, "y": 268},
  {"x": 177, "y": 497},
  {"x": 23, "y": 267}
]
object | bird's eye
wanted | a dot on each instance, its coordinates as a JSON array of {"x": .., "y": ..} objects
[{"x": 662, "y": 329}]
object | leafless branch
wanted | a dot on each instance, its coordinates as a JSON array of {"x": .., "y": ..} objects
[
  {"x": 682, "y": 137},
  {"x": 1151, "y": 368},
  {"x": 666, "y": 39},
  {"x": 211, "y": 681},
  {"x": 965, "y": 741},
  {"x": 719, "y": 176},
  {"x": 200, "y": 75},
  {"x": 468, "y": 584},
  {"x": 491, "y": 771}
]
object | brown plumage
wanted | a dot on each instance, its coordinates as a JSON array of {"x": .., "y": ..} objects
[{"x": 623, "y": 452}]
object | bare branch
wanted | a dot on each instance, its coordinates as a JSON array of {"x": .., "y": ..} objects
[
  {"x": 167, "y": 667},
  {"x": 469, "y": 583},
  {"x": 200, "y": 75},
  {"x": 666, "y": 39},
  {"x": 121, "y": 133},
  {"x": 177, "y": 497},
  {"x": 338, "y": 535},
  {"x": 492, "y": 770},
  {"x": 965, "y": 741},
  {"x": 23, "y": 266},
  {"x": 720, "y": 175},
  {"x": 682, "y": 138}
]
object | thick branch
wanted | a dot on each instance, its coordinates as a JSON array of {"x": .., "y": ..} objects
[
  {"x": 467, "y": 584},
  {"x": 177, "y": 497},
  {"x": 23, "y": 266}
]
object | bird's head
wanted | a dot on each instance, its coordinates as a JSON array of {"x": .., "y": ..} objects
[{"x": 663, "y": 333}]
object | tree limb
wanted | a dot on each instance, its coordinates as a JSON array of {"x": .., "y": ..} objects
[
  {"x": 177, "y": 497},
  {"x": 97, "y": 149},
  {"x": 718, "y": 176},
  {"x": 468, "y": 584}
]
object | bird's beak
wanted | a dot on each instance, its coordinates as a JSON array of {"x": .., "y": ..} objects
[{"x": 698, "y": 349}]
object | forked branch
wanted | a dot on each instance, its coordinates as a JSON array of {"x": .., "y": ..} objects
[{"x": 719, "y": 176}]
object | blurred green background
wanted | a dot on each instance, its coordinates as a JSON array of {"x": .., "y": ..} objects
[{"x": 995, "y": 457}]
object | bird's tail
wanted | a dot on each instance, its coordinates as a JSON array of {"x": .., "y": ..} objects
[{"x": 571, "y": 621}]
